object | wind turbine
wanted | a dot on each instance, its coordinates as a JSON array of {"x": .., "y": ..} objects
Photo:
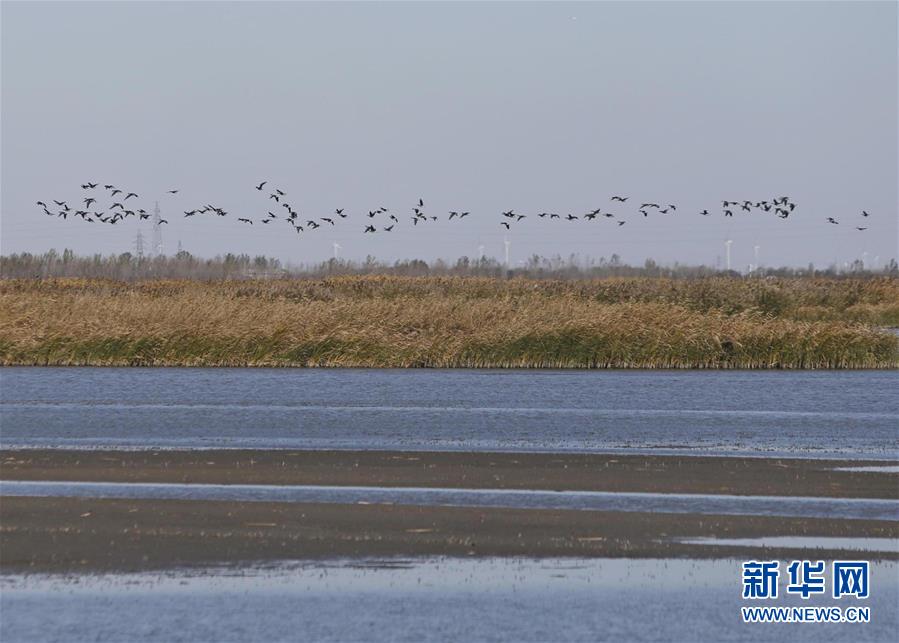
[
  {"x": 336, "y": 248},
  {"x": 727, "y": 244},
  {"x": 508, "y": 244}
]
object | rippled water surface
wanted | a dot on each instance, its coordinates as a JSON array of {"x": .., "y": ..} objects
[
  {"x": 443, "y": 599},
  {"x": 843, "y": 413}
]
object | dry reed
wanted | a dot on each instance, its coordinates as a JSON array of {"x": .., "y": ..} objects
[{"x": 452, "y": 322}]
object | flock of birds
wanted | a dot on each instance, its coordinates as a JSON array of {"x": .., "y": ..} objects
[{"x": 381, "y": 219}]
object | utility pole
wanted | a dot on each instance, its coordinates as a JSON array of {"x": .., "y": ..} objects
[{"x": 157, "y": 249}]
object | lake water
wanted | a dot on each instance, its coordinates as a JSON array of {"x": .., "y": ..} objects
[
  {"x": 431, "y": 599},
  {"x": 851, "y": 414},
  {"x": 715, "y": 504}
]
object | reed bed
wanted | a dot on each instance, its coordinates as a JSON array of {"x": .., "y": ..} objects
[{"x": 452, "y": 322}]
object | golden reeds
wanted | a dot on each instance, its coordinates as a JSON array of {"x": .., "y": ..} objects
[{"x": 452, "y": 322}]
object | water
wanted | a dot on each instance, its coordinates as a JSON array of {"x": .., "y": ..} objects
[
  {"x": 432, "y": 599},
  {"x": 837, "y": 508},
  {"x": 848, "y": 414},
  {"x": 869, "y": 545}
]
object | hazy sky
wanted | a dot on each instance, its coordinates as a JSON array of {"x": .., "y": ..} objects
[{"x": 472, "y": 106}]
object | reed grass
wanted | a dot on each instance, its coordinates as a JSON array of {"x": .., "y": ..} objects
[{"x": 377, "y": 321}]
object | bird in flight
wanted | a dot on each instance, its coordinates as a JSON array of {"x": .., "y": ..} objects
[
  {"x": 389, "y": 228},
  {"x": 370, "y": 228},
  {"x": 832, "y": 220},
  {"x": 866, "y": 214},
  {"x": 130, "y": 194},
  {"x": 259, "y": 187},
  {"x": 505, "y": 224},
  {"x": 704, "y": 213},
  {"x": 161, "y": 221},
  {"x": 246, "y": 221},
  {"x": 173, "y": 191},
  {"x": 860, "y": 228},
  {"x": 88, "y": 186},
  {"x": 622, "y": 199}
]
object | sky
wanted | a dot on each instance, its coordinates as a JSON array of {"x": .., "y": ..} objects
[{"x": 483, "y": 107}]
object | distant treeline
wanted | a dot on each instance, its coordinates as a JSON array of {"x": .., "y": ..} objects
[{"x": 184, "y": 265}]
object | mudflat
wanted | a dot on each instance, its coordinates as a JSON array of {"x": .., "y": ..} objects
[
  {"x": 60, "y": 534},
  {"x": 68, "y": 534},
  {"x": 471, "y": 470}
]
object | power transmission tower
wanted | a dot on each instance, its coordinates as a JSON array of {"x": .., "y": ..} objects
[
  {"x": 139, "y": 244},
  {"x": 157, "y": 249}
]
